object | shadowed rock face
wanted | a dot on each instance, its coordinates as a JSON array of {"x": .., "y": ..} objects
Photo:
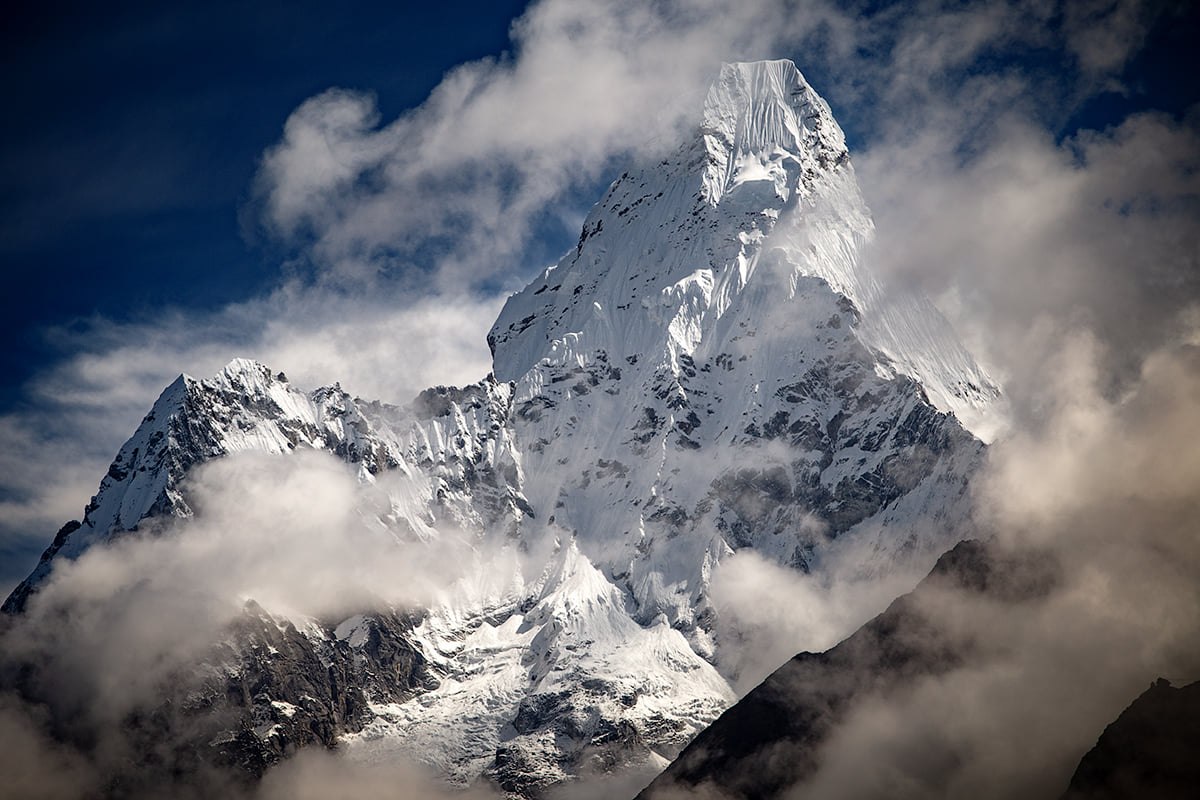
[
  {"x": 769, "y": 741},
  {"x": 270, "y": 689},
  {"x": 1151, "y": 751},
  {"x": 264, "y": 691}
]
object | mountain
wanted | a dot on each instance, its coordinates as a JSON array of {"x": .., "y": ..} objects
[
  {"x": 770, "y": 741},
  {"x": 1148, "y": 751},
  {"x": 713, "y": 368}
]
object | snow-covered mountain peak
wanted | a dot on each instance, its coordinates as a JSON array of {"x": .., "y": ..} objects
[
  {"x": 683, "y": 258},
  {"x": 762, "y": 120},
  {"x": 672, "y": 245}
]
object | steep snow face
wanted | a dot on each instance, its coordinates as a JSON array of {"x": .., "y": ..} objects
[
  {"x": 715, "y": 367},
  {"x": 672, "y": 248},
  {"x": 763, "y": 123},
  {"x": 712, "y": 368}
]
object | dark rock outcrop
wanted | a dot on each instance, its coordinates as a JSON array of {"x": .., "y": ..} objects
[
  {"x": 769, "y": 741},
  {"x": 1152, "y": 750},
  {"x": 263, "y": 692}
]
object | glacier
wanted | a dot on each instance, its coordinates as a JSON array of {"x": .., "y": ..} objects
[{"x": 715, "y": 367}]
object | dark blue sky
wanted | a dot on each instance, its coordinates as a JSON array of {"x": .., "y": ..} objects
[{"x": 134, "y": 132}]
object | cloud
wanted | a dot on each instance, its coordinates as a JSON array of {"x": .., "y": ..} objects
[
  {"x": 1031, "y": 239},
  {"x": 620, "y": 784},
  {"x": 767, "y": 613},
  {"x": 317, "y": 775},
  {"x": 1104, "y": 34},
  {"x": 1107, "y": 494},
  {"x": 110, "y": 634},
  {"x": 299, "y": 535},
  {"x": 500, "y": 141},
  {"x": 35, "y": 766},
  {"x": 1102, "y": 491},
  {"x": 1070, "y": 266}
]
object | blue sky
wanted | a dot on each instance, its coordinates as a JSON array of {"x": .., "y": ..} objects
[
  {"x": 163, "y": 211},
  {"x": 139, "y": 131}
]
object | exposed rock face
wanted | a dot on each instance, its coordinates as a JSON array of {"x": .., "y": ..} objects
[
  {"x": 712, "y": 368},
  {"x": 264, "y": 690},
  {"x": 269, "y": 689},
  {"x": 768, "y": 742},
  {"x": 1150, "y": 751}
]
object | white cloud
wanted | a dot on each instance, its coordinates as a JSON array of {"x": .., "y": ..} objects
[
  {"x": 1105, "y": 490},
  {"x": 1104, "y": 34},
  {"x": 300, "y": 535},
  {"x": 500, "y": 140},
  {"x": 768, "y": 613},
  {"x": 1030, "y": 239}
]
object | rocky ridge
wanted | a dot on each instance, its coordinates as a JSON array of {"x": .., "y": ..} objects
[{"x": 769, "y": 743}]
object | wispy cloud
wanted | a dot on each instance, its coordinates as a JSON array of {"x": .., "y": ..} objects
[
  {"x": 1101, "y": 489},
  {"x": 107, "y": 638}
]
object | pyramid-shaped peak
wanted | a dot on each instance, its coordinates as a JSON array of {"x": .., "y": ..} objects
[
  {"x": 758, "y": 106},
  {"x": 245, "y": 367}
]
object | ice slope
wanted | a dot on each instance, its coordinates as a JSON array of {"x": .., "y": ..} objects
[
  {"x": 667, "y": 254},
  {"x": 712, "y": 368}
]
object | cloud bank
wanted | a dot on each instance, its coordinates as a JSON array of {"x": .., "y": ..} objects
[{"x": 116, "y": 631}]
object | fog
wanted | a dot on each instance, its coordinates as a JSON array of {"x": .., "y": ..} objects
[{"x": 1109, "y": 492}]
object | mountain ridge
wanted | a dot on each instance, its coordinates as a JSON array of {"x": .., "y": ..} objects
[{"x": 769, "y": 743}]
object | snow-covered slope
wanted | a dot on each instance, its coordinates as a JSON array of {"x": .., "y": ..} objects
[
  {"x": 451, "y": 443},
  {"x": 707, "y": 362},
  {"x": 712, "y": 368}
]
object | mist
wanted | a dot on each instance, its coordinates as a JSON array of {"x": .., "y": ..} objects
[
  {"x": 1104, "y": 493},
  {"x": 767, "y": 613},
  {"x": 124, "y": 625}
]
